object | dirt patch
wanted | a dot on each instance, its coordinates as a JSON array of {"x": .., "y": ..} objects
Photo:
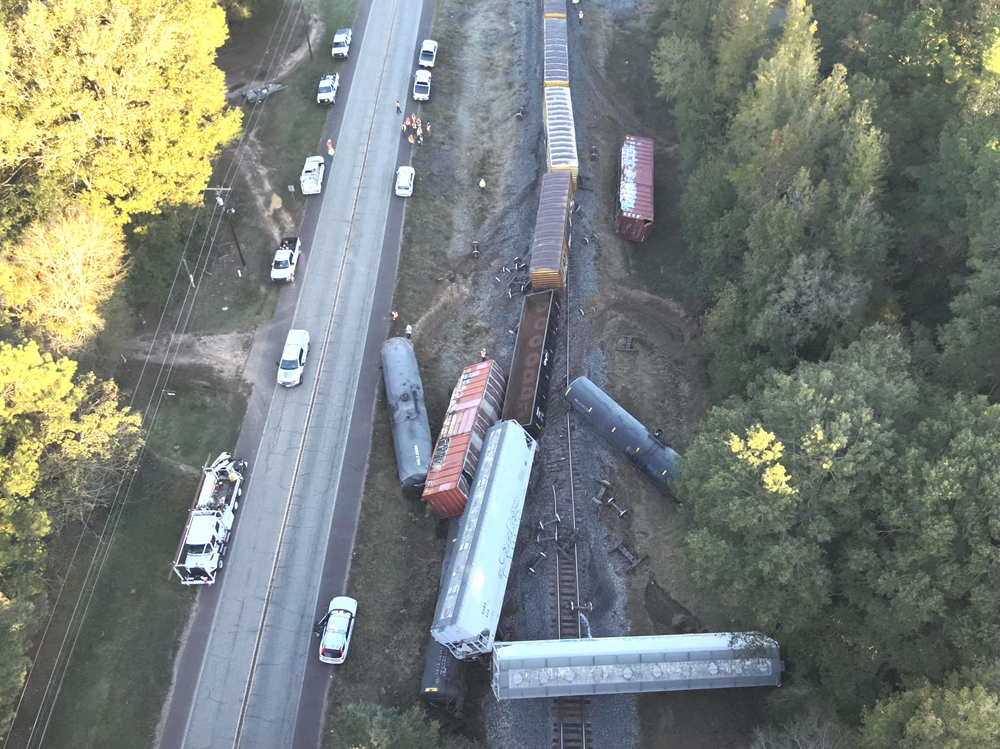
[
  {"x": 224, "y": 354},
  {"x": 278, "y": 222}
]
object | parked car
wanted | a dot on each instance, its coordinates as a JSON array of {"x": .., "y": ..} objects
[
  {"x": 341, "y": 43},
  {"x": 340, "y": 616},
  {"x": 405, "y": 177},
  {"x": 293, "y": 358},
  {"x": 286, "y": 260},
  {"x": 422, "y": 85},
  {"x": 328, "y": 87},
  {"x": 428, "y": 53},
  {"x": 311, "y": 179}
]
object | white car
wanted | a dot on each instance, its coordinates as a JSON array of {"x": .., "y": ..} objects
[
  {"x": 336, "y": 639},
  {"x": 311, "y": 179},
  {"x": 293, "y": 358},
  {"x": 421, "y": 85},
  {"x": 405, "y": 177},
  {"x": 428, "y": 53},
  {"x": 341, "y": 43},
  {"x": 286, "y": 260},
  {"x": 326, "y": 93}
]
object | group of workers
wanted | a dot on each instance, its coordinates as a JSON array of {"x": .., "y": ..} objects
[{"x": 414, "y": 129}]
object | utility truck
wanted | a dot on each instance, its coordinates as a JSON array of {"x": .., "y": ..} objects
[{"x": 210, "y": 521}]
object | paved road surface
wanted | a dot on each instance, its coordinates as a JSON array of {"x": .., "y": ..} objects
[{"x": 238, "y": 683}]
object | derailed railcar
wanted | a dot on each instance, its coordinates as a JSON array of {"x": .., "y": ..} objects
[
  {"x": 616, "y": 425},
  {"x": 404, "y": 394},
  {"x": 560, "y": 132},
  {"x": 443, "y": 682},
  {"x": 476, "y": 404},
  {"x": 634, "y": 212},
  {"x": 468, "y": 609},
  {"x": 555, "y": 71},
  {"x": 527, "y": 398},
  {"x": 552, "y": 238}
]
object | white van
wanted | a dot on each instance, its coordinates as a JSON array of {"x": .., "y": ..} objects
[{"x": 293, "y": 358}]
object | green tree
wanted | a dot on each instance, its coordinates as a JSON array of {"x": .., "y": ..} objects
[
  {"x": 962, "y": 713},
  {"x": 120, "y": 101},
  {"x": 18, "y": 619},
  {"x": 851, "y": 512},
  {"x": 60, "y": 271},
  {"x": 371, "y": 726}
]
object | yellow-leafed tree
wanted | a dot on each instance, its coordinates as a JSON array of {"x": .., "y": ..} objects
[
  {"x": 118, "y": 100},
  {"x": 56, "y": 276}
]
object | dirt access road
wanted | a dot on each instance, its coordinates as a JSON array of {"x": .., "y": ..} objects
[{"x": 247, "y": 674}]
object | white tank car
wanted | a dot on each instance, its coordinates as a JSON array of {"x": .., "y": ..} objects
[{"x": 468, "y": 608}]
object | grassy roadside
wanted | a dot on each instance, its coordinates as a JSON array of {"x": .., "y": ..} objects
[{"x": 122, "y": 665}]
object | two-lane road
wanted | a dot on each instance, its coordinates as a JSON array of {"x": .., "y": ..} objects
[{"x": 248, "y": 675}]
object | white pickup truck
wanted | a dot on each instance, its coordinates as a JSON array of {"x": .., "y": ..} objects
[
  {"x": 311, "y": 179},
  {"x": 210, "y": 521},
  {"x": 341, "y": 43},
  {"x": 326, "y": 93}
]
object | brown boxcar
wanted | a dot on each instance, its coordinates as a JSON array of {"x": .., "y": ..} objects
[
  {"x": 634, "y": 212},
  {"x": 475, "y": 406},
  {"x": 554, "y": 8},
  {"x": 551, "y": 242},
  {"x": 560, "y": 132},
  {"x": 527, "y": 398},
  {"x": 555, "y": 71}
]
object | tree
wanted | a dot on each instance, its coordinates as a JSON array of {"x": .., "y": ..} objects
[
  {"x": 850, "y": 511},
  {"x": 962, "y": 713},
  {"x": 119, "y": 101},
  {"x": 18, "y": 620},
  {"x": 56, "y": 276},
  {"x": 65, "y": 441},
  {"x": 372, "y": 726}
]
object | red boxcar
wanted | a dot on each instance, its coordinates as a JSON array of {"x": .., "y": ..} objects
[
  {"x": 634, "y": 212},
  {"x": 475, "y": 406}
]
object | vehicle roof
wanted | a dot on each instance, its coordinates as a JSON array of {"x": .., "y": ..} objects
[
  {"x": 406, "y": 170},
  {"x": 428, "y": 44},
  {"x": 296, "y": 338},
  {"x": 420, "y": 75},
  {"x": 314, "y": 161},
  {"x": 344, "y": 602},
  {"x": 341, "y": 32},
  {"x": 201, "y": 529}
]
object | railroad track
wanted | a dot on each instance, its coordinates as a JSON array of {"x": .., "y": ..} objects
[{"x": 570, "y": 728}]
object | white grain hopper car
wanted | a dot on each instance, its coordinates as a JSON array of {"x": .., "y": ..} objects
[
  {"x": 468, "y": 609},
  {"x": 617, "y": 665}
]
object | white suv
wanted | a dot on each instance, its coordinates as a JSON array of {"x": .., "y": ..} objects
[
  {"x": 405, "y": 177},
  {"x": 339, "y": 626},
  {"x": 293, "y": 358},
  {"x": 341, "y": 43}
]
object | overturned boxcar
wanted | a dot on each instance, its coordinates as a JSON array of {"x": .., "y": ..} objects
[{"x": 634, "y": 212}]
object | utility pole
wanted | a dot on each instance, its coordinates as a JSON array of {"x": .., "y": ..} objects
[
  {"x": 308, "y": 40},
  {"x": 239, "y": 249}
]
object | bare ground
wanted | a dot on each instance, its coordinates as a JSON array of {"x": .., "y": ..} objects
[{"x": 224, "y": 354}]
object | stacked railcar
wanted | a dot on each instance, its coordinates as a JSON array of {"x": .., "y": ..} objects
[
  {"x": 527, "y": 398},
  {"x": 468, "y": 609},
  {"x": 555, "y": 69},
  {"x": 616, "y": 425},
  {"x": 552, "y": 239},
  {"x": 476, "y": 404},
  {"x": 404, "y": 393},
  {"x": 560, "y": 132}
]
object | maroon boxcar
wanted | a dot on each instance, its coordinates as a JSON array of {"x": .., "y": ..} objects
[{"x": 634, "y": 212}]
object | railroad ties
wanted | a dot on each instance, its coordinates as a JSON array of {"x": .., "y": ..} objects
[{"x": 570, "y": 728}]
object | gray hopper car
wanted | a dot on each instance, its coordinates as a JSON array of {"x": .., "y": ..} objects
[
  {"x": 643, "y": 448},
  {"x": 404, "y": 393}
]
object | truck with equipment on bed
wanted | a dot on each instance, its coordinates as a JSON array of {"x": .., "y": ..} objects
[{"x": 210, "y": 521}]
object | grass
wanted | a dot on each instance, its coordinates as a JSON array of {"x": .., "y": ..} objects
[
  {"x": 662, "y": 263},
  {"x": 121, "y": 668},
  {"x": 398, "y": 555}
]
